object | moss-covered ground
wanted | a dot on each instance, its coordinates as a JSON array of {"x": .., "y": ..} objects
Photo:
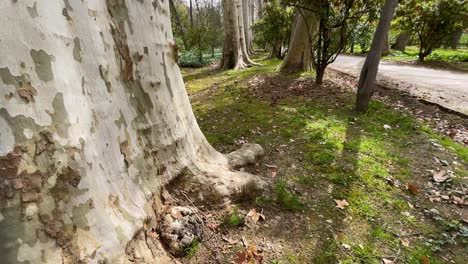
[{"x": 319, "y": 150}]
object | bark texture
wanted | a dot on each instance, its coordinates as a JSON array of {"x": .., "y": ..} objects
[
  {"x": 94, "y": 121},
  {"x": 305, "y": 25},
  {"x": 401, "y": 41},
  {"x": 235, "y": 55},
  {"x": 371, "y": 65},
  {"x": 455, "y": 39},
  {"x": 386, "y": 46}
]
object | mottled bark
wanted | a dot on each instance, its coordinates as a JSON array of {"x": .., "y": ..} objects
[
  {"x": 455, "y": 39},
  {"x": 386, "y": 46},
  {"x": 94, "y": 121},
  {"x": 235, "y": 54},
  {"x": 305, "y": 25},
  {"x": 401, "y": 41},
  {"x": 371, "y": 65}
]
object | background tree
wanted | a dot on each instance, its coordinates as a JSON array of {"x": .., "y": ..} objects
[
  {"x": 338, "y": 19},
  {"x": 371, "y": 64},
  {"x": 304, "y": 29},
  {"x": 432, "y": 21},
  {"x": 96, "y": 122},
  {"x": 235, "y": 54},
  {"x": 201, "y": 33},
  {"x": 273, "y": 28}
]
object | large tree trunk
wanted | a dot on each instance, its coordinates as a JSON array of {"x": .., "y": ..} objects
[
  {"x": 455, "y": 39},
  {"x": 401, "y": 41},
  {"x": 371, "y": 65},
  {"x": 299, "y": 56},
  {"x": 94, "y": 121},
  {"x": 243, "y": 15},
  {"x": 246, "y": 26},
  {"x": 386, "y": 46},
  {"x": 235, "y": 54}
]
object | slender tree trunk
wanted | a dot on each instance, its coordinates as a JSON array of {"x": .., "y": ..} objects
[
  {"x": 401, "y": 41},
  {"x": 299, "y": 56},
  {"x": 96, "y": 122},
  {"x": 191, "y": 13},
  {"x": 234, "y": 51},
  {"x": 455, "y": 39},
  {"x": 371, "y": 65},
  {"x": 252, "y": 22},
  {"x": 320, "y": 72},
  {"x": 177, "y": 20},
  {"x": 260, "y": 9},
  {"x": 386, "y": 47},
  {"x": 243, "y": 32}
]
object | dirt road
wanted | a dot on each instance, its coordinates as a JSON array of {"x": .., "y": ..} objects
[{"x": 446, "y": 88}]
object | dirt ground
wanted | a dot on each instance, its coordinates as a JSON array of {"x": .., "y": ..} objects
[{"x": 389, "y": 186}]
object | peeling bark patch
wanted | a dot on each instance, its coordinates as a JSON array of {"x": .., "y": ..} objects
[
  {"x": 66, "y": 179},
  {"x": 77, "y": 49},
  {"x": 9, "y": 170},
  {"x": 166, "y": 76},
  {"x": 43, "y": 64},
  {"x": 33, "y": 10},
  {"x": 60, "y": 116},
  {"x": 79, "y": 214},
  {"x": 83, "y": 82},
  {"x": 119, "y": 13},
  {"x": 121, "y": 121},
  {"x": 65, "y": 14},
  {"x": 104, "y": 73},
  {"x": 67, "y": 5},
  {"x": 23, "y": 84},
  {"x": 125, "y": 151}
]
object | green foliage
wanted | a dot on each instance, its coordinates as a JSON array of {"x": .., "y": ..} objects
[
  {"x": 286, "y": 198},
  {"x": 190, "y": 251},
  {"x": 203, "y": 36},
  {"x": 233, "y": 219},
  {"x": 190, "y": 59},
  {"x": 275, "y": 26},
  {"x": 432, "y": 21}
]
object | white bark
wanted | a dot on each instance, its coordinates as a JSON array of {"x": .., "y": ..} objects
[
  {"x": 235, "y": 55},
  {"x": 94, "y": 121},
  {"x": 305, "y": 26}
]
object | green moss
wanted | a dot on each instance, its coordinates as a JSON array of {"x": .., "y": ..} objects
[
  {"x": 286, "y": 198},
  {"x": 351, "y": 153},
  {"x": 233, "y": 219},
  {"x": 190, "y": 251}
]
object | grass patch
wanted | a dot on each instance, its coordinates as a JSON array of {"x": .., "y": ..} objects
[
  {"x": 233, "y": 219},
  {"x": 286, "y": 198},
  {"x": 190, "y": 251}
]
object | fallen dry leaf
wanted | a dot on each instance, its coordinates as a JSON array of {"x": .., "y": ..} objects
[
  {"x": 341, "y": 203},
  {"x": 231, "y": 241},
  {"x": 459, "y": 200},
  {"x": 425, "y": 260},
  {"x": 440, "y": 176},
  {"x": 240, "y": 258},
  {"x": 404, "y": 242},
  {"x": 176, "y": 215},
  {"x": 412, "y": 188},
  {"x": 213, "y": 227},
  {"x": 339, "y": 236},
  {"x": 271, "y": 166},
  {"x": 387, "y": 261},
  {"x": 346, "y": 246},
  {"x": 255, "y": 216},
  {"x": 273, "y": 174},
  {"x": 434, "y": 199}
]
